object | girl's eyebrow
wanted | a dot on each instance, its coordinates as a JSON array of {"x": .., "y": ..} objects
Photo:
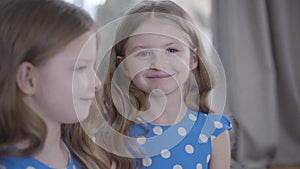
[
  {"x": 143, "y": 46},
  {"x": 84, "y": 60},
  {"x": 138, "y": 47},
  {"x": 172, "y": 43}
]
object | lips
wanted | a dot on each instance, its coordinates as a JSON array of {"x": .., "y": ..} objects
[
  {"x": 90, "y": 98},
  {"x": 159, "y": 75}
]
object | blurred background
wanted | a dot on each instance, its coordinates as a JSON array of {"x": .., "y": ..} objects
[{"x": 258, "y": 42}]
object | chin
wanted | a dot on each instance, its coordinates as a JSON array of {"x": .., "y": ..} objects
[
  {"x": 81, "y": 115},
  {"x": 158, "y": 93}
]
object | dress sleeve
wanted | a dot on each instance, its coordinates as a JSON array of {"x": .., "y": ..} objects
[
  {"x": 214, "y": 125},
  {"x": 221, "y": 125}
]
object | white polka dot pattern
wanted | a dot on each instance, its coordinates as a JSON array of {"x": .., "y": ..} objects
[
  {"x": 192, "y": 117},
  {"x": 147, "y": 161},
  {"x": 157, "y": 130},
  {"x": 189, "y": 149},
  {"x": 189, "y": 153},
  {"x": 203, "y": 138},
  {"x": 218, "y": 124},
  {"x": 165, "y": 153},
  {"x": 208, "y": 158},
  {"x": 199, "y": 166},
  {"x": 177, "y": 166},
  {"x": 141, "y": 140},
  {"x": 30, "y": 167},
  {"x": 182, "y": 131}
]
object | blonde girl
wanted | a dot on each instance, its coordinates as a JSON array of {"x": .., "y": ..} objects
[{"x": 156, "y": 90}]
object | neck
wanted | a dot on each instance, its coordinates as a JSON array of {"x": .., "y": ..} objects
[
  {"x": 53, "y": 153},
  {"x": 165, "y": 109}
]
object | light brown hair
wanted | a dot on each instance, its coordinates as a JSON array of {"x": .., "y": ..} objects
[
  {"x": 34, "y": 31},
  {"x": 114, "y": 94}
]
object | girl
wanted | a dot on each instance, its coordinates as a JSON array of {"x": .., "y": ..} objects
[
  {"x": 40, "y": 109},
  {"x": 157, "y": 87}
]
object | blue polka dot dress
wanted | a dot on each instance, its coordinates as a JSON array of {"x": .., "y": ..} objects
[{"x": 186, "y": 145}]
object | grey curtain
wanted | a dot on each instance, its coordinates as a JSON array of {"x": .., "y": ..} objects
[{"x": 259, "y": 45}]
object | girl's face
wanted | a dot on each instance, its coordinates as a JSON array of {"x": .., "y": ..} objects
[
  {"x": 66, "y": 83},
  {"x": 158, "y": 57}
]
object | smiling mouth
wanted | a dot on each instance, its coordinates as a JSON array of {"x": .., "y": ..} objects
[
  {"x": 89, "y": 99},
  {"x": 160, "y": 76}
]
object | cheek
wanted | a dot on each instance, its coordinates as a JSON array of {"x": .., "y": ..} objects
[
  {"x": 59, "y": 85},
  {"x": 139, "y": 81},
  {"x": 79, "y": 81},
  {"x": 181, "y": 66},
  {"x": 186, "y": 59},
  {"x": 181, "y": 63},
  {"x": 137, "y": 78},
  {"x": 58, "y": 103},
  {"x": 135, "y": 68}
]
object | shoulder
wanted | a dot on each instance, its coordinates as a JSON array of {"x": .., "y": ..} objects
[
  {"x": 215, "y": 124},
  {"x": 16, "y": 163},
  {"x": 221, "y": 123},
  {"x": 22, "y": 162},
  {"x": 211, "y": 125},
  {"x": 216, "y": 128}
]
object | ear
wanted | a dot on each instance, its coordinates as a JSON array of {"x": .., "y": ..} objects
[
  {"x": 123, "y": 65},
  {"x": 120, "y": 59},
  {"x": 194, "y": 61},
  {"x": 25, "y": 78}
]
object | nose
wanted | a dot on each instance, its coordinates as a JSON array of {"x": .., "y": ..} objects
[
  {"x": 96, "y": 83},
  {"x": 159, "y": 60}
]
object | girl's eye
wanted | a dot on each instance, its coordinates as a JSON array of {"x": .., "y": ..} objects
[
  {"x": 171, "y": 50},
  {"x": 80, "y": 68},
  {"x": 143, "y": 53}
]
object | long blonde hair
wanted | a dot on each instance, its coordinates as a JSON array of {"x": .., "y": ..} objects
[
  {"x": 113, "y": 93},
  {"x": 34, "y": 31}
]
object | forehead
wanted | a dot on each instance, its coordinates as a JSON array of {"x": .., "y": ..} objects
[
  {"x": 151, "y": 40},
  {"x": 81, "y": 48},
  {"x": 161, "y": 27},
  {"x": 84, "y": 47}
]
